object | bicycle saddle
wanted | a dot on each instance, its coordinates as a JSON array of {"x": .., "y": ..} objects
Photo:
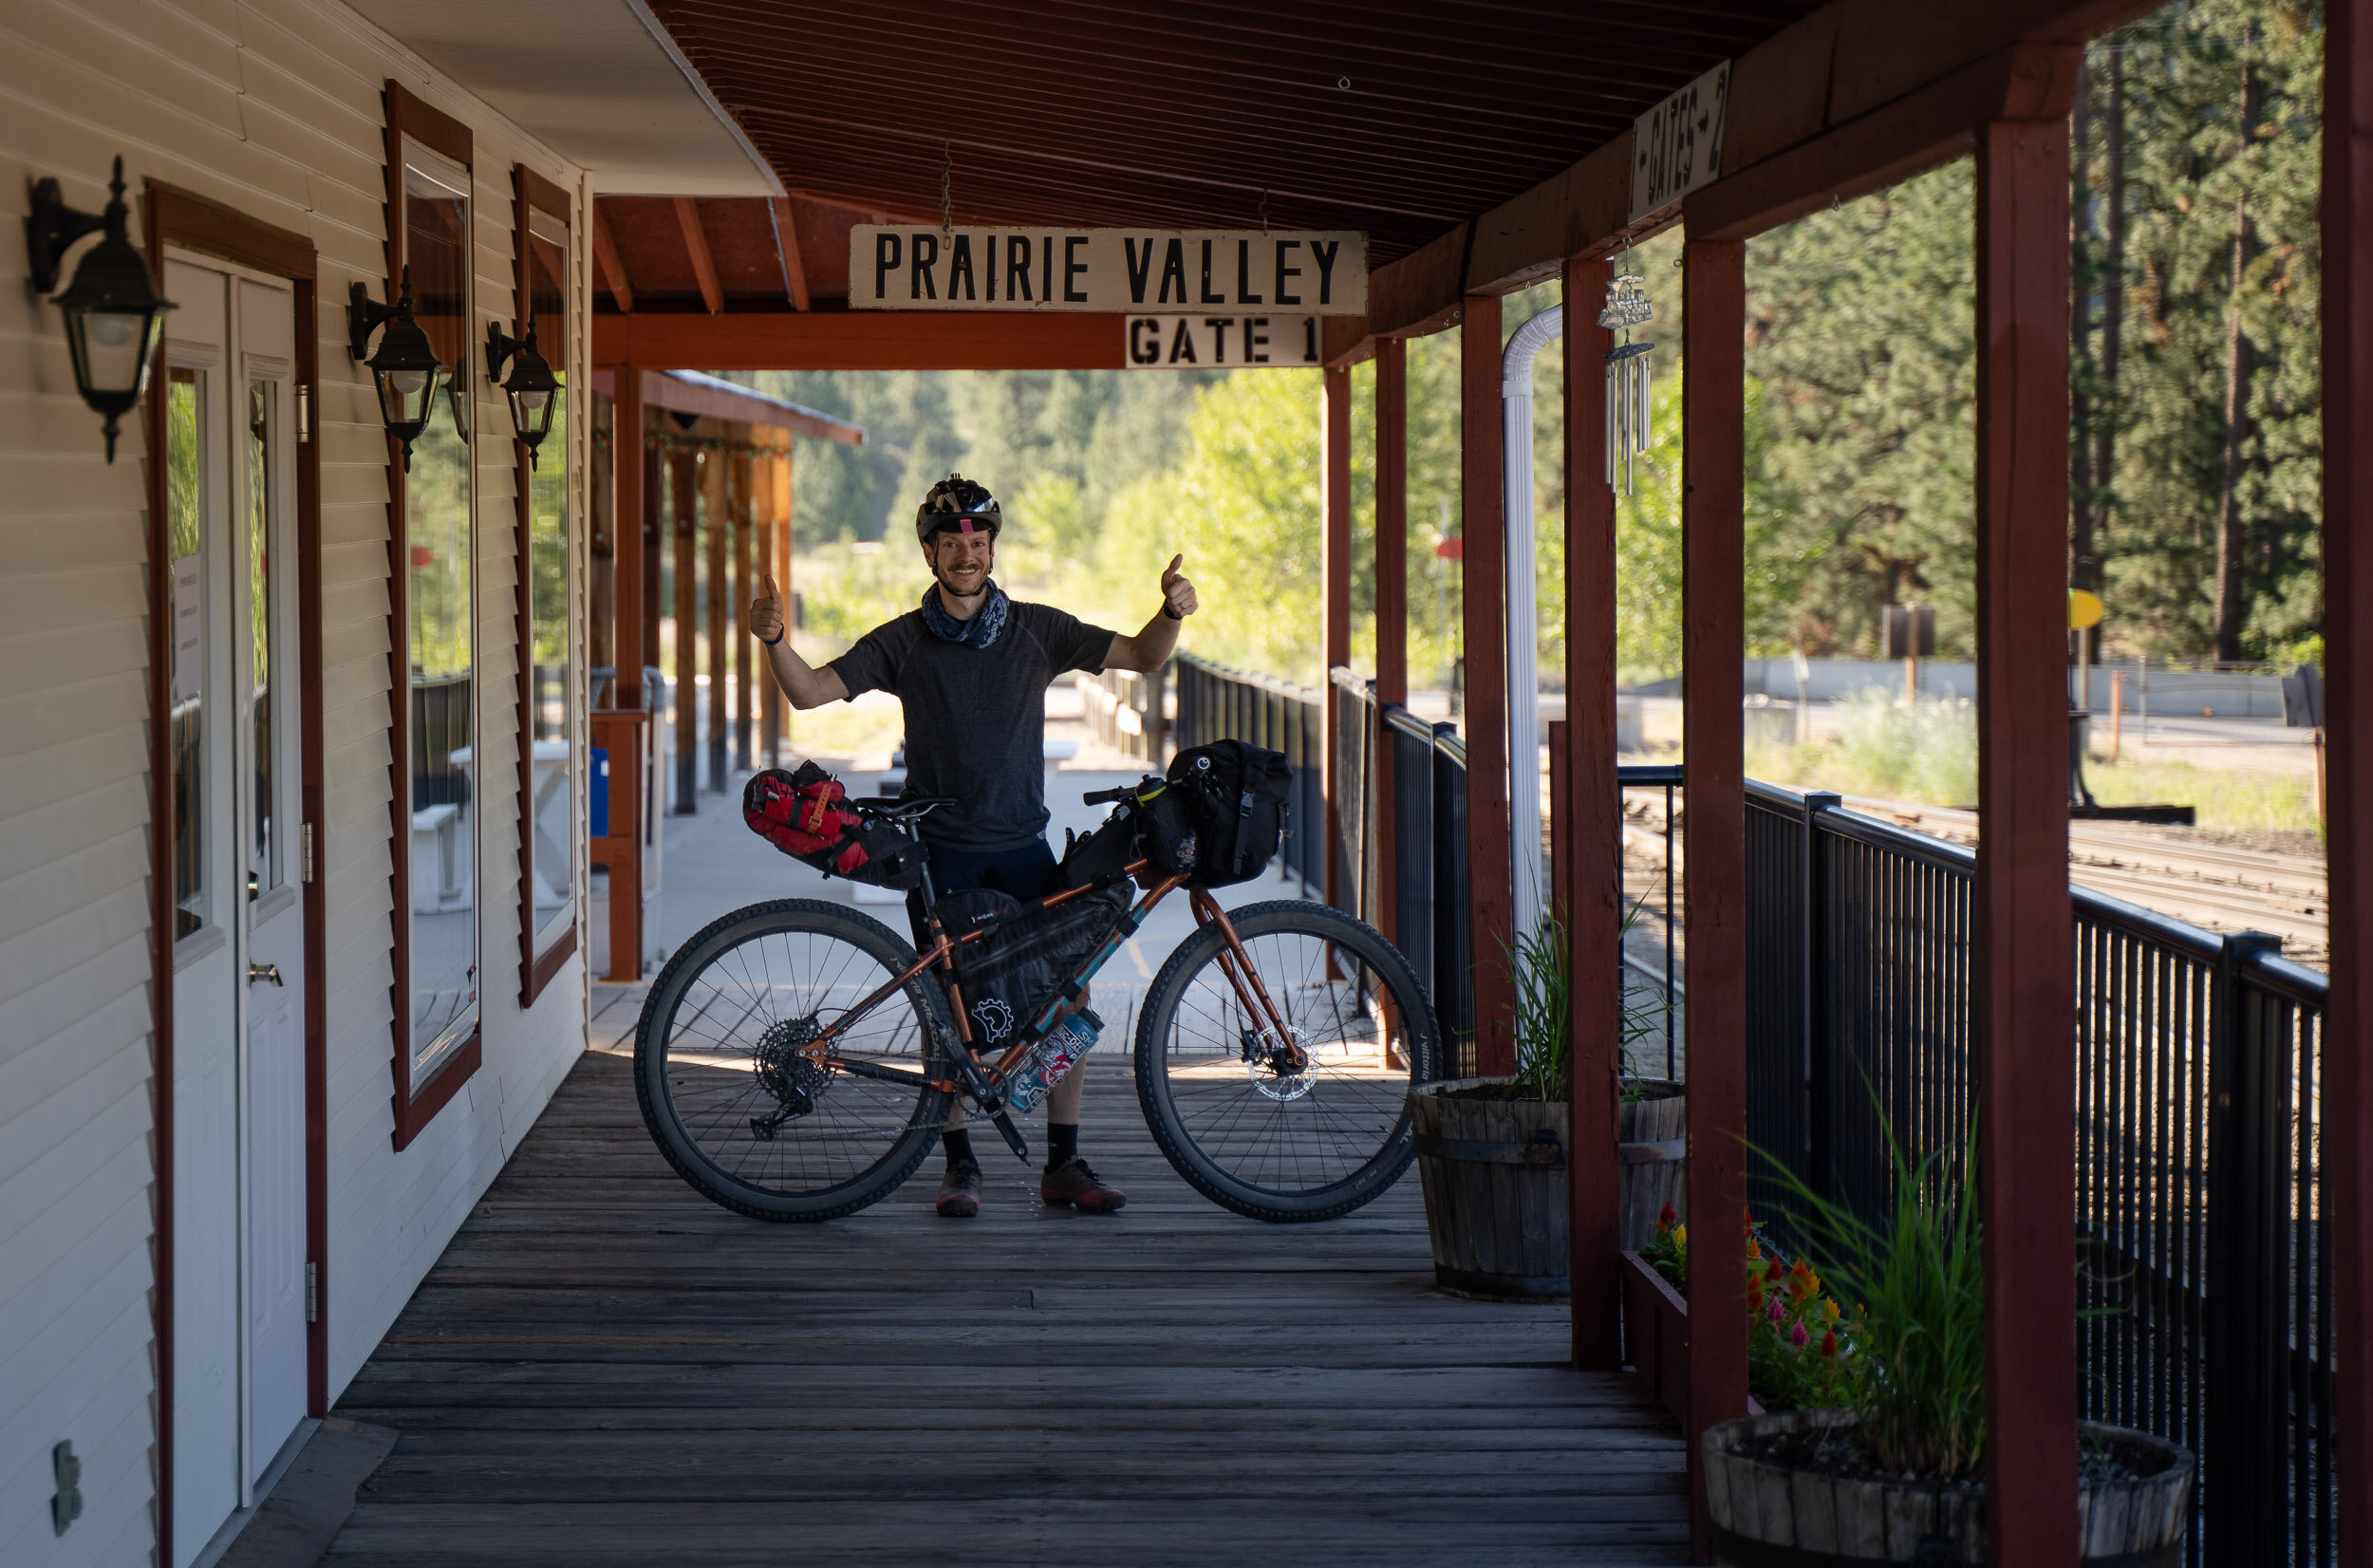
[{"x": 897, "y": 808}]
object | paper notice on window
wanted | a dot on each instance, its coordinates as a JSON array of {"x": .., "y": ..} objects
[{"x": 189, "y": 630}]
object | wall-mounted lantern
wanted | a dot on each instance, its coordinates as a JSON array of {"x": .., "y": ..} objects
[
  {"x": 113, "y": 312},
  {"x": 405, "y": 369},
  {"x": 532, "y": 391}
]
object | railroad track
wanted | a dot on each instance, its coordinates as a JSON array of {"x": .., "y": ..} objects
[{"x": 2211, "y": 886}]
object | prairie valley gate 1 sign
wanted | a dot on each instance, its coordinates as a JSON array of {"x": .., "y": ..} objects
[{"x": 1132, "y": 271}]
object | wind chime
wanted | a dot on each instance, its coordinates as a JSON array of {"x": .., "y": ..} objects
[{"x": 1627, "y": 373}]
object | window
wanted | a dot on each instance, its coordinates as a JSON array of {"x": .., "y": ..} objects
[
  {"x": 437, "y": 976},
  {"x": 547, "y": 826},
  {"x": 185, "y": 520}
]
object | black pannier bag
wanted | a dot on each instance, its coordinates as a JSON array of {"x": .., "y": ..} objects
[
  {"x": 1014, "y": 970},
  {"x": 1241, "y": 796}
]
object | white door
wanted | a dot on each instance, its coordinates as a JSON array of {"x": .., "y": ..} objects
[{"x": 240, "y": 1194}]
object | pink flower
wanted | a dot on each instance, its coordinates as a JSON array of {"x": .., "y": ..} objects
[
  {"x": 1797, "y": 1336},
  {"x": 1775, "y": 1311}
]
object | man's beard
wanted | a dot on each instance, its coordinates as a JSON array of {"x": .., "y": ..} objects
[{"x": 954, "y": 592}]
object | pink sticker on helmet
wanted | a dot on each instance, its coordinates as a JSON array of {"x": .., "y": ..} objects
[{"x": 964, "y": 527}]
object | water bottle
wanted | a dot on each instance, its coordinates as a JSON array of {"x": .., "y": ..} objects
[{"x": 1064, "y": 1044}]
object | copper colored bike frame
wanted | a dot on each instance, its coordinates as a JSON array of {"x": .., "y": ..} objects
[{"x": 943, "y": 954}]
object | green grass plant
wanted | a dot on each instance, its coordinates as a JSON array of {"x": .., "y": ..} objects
[
  {"x": 1543, "y": 982},
  {"x": 1917, "y": 1379}
]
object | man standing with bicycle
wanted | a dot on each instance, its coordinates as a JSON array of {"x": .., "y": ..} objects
[{"x": 971, "y": 667}]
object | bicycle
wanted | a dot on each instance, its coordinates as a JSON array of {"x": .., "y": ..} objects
[{"x": 794, "y": 1062}]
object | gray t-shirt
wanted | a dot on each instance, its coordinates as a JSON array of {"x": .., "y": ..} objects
[{"x": 976, "y": 717}]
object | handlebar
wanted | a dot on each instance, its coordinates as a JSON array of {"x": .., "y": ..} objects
[{"x": 1124, "y": 791}]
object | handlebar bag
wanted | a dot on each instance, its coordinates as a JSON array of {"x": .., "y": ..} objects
[
  {"x": 1008, "y": 975},
  {"x": 805, "y": 814},
  {"x": 1241, "y": 796},
  {"x": 1168, "y": 831}
]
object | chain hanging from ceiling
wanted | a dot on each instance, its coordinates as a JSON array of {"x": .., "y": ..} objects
[{"x": 1627, "y": 372}]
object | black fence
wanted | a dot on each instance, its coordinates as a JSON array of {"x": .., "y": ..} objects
[
  {"x": 1129, "y": 712},
  {"x": 2203, "y": 1278}
]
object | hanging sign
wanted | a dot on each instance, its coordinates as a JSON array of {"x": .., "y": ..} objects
[
  {"x": 924, "y": 267},
  {"x": 1676, "y": 146},
  {"x": 1220, "y": 343}
]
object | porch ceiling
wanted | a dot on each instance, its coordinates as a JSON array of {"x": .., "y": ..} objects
[
  {"x": 596, "y": 83},
  {"x": 1400, "y": 119}
]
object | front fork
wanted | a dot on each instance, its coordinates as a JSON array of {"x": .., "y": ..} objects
[{"x": 1237, "y": 965}]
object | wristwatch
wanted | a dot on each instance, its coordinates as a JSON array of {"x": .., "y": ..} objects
[{"x": 1168, "y": 610}]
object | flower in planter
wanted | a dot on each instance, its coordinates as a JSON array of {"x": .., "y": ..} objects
[{"x": 1786, "y": 1309}]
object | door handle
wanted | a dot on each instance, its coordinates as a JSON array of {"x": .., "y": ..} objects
[{"x": 264, "y": 972}]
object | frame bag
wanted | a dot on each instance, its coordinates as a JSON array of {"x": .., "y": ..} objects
[
  {"x": 1014, "y": 970},
  {"x": 1240, "y": 797}
]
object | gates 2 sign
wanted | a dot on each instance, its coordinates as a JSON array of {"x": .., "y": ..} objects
[
  {"x": 906, "y": 267},
  {"x": 1676, "y": 146}
]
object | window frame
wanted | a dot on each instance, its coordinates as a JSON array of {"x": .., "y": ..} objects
[
  {"x": 533, "y": 193},
  {"x": 416, "y": 1105}
]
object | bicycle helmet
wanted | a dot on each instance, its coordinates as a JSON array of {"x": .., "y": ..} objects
[{"x": 957, "y": 503}]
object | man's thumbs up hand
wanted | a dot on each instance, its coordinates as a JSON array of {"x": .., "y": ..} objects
[
  {"x": 766, "y": 612},
  {"x": 1178, "y": 594}
]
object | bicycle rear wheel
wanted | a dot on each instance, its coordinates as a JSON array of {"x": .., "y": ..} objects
[
  {"x": 742, "y": 1114},
  {"x": 1235, "y": 1116}
]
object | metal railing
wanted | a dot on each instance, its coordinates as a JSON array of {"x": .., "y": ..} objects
[
  {"x": 2203, "y": 1281},
  {"x": 1128, "y": 712}
]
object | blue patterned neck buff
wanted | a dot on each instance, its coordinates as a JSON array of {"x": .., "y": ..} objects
[{"x": 980, "y": 631}]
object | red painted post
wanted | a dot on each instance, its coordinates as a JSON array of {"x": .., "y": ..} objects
[
  {"x": 2348, "y": 719},
  {"x": 1589, "y": 809},
  {"x": 1713, "y": 646},
  {"x": 627, "y": 459},
  {"x": 2023, "y": 1009},
  {"x": 1482, "y": 575},
  {"x": 1334, "y": 570},
  {"x": 1391, "y": 520},
  {"x": 1392, "y": 595},
  {"x": 632, "y": 468}
]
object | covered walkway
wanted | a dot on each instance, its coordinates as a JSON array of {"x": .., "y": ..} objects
[{"x": 605, "y": 1368}]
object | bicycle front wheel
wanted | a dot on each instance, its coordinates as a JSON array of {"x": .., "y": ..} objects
[
  {"x": 742, "y": 1111},
  {"x": 1307, "y": 1130}
]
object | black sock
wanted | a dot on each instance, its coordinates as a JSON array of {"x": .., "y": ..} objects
[
  {"x": 958, "y": 1145},
  {"x": 1062, "y": 1143}
]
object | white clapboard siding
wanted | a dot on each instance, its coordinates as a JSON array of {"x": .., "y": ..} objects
[{"x": 271, "y": 107}]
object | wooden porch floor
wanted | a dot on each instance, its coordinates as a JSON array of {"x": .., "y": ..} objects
[{"x": 604, "y": 1369}]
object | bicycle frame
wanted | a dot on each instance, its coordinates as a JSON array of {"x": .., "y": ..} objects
[{"x": 986, "y": 1085}]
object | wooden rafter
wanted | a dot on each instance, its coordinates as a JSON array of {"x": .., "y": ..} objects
[
  {"x": 697, "y": 242},
  {"x": 765, "y": 421},
  {"x": 606, "y": 252},
  {"x": 862, "y": 339},
  {"x": 787, "y": 251}
]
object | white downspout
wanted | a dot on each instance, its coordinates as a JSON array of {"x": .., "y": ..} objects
[{"x": 1523, "y": 672}]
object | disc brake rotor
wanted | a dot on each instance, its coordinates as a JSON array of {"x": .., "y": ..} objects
[
  {"x": 785, "y": 1069},
  {"x": 1279, "y": 1068}
]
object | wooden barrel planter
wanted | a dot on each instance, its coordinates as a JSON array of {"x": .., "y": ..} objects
[
  {"x": 1767, "y": 1512},
  {"x": 1651, "y": 1151},
  {"x": 1494, "y": 1173}
]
